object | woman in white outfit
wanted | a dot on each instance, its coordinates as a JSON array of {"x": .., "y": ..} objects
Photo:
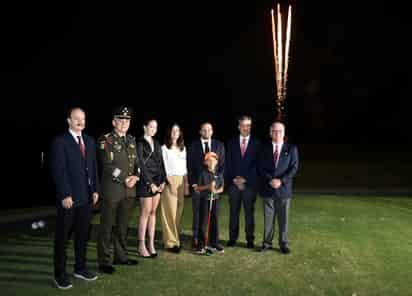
[{"x": 172, "y": 200}]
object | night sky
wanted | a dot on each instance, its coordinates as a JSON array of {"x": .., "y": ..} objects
[{"x": 349, "y": 73}]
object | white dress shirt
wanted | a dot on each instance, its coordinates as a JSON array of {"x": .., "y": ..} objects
[
  {"x": 174, "y": 161},
  {"x": 203, "y": 144},
  {"x": 75, "y": 136}
]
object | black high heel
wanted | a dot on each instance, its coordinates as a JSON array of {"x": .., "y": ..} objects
[{"x": 153, "y": 255}]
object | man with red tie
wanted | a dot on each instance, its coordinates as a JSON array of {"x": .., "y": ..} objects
[
  {"x": 73, "y": 168},
  {"x": 278, "y": 165},
  {"x": 241, "y": 178}
]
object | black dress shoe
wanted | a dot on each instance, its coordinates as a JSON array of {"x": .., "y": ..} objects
[
  {"x": 127, "y": 262},
  {"x": 265, "y": 248},
  {"x": 174, "y": 249},
  {"x": 106, "y": 269},
  {"x": 250, "y": 245},
  {"x": 153, "y": 255},
  {"x": 284, "y": 250},
  {"x": 231, "y": 243}
]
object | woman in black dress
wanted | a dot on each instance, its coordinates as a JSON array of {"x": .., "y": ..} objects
[{"x": 151, "y": 184}]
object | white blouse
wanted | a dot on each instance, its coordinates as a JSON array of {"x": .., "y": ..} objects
[{"x": 174, "y": 161}]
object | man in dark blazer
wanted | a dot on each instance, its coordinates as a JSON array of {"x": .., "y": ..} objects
[
  {"x": 74, "y": 172},
  {"x": 195, "y": 163},
  {"x": 278, "y": 165},
  {"x": 241, "y": 180}
]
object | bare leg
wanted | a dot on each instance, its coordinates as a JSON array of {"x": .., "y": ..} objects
[
  {"x": 152, "y": 223},
  {"x": 145, "y": 209}
]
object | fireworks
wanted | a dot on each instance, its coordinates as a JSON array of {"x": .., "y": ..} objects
[{"x": 281, "y": 57}]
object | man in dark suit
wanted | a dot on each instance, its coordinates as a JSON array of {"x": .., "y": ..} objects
[
  {"x": 195, "y": 163},
  {"x": 278, "y": 165},
  {"x": 241, "y": 180},
  {"x": 74, "y": 172}
]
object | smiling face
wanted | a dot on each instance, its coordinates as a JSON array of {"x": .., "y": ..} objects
[
  {"x": 245, "y": 126},
  {"x": 175, "y": 133},
  {"x": 151, "y": 128},
  {"x": 77, "y": 120},
  {"x": 277, "y": 132},
  {"x": 211, "y": 163},
  {"x": 121, "y": 125},
  {"x": 206, "y": 131}
]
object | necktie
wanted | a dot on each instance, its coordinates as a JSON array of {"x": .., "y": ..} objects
[
  {"x": 276, "y": 155},
  {"x": 81, "y": 146},
  {"x": 207, "y": 149},
  {"x": 243, "y": 147}
]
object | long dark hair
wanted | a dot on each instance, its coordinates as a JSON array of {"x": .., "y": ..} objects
[{"x": 168, "y": 137}]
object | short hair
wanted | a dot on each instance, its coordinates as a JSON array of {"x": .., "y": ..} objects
[
  {"x": 277, "y": 122},
  {"x": 72, "y": 109},
  {"x": 204, "y": 123},
  {"x": 244, "y": 117}
]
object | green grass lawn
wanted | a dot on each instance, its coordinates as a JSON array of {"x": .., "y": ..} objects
[{"x": 340, "y": 246}]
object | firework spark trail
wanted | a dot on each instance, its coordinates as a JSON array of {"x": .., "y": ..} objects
[{"x": 281, "y": 55}]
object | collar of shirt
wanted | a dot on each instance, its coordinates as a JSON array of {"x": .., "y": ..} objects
[
  {"x": 279, "y": 146},
  {"x": 209, "y": 142},
  {"x": 119, "y": 136},
  {"x": 75, "y": 136},
  {"x": 242, "y": 137}
]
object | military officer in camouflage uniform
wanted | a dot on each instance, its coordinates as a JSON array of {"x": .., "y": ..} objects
[{"x": 119, "y": 174}]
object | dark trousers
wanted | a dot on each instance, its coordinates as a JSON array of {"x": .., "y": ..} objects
[
  {"x": 276, "y": 208},
  {"x": 77, "y": 220},
  {"x": 198, "y": 203},
  {"x": 236, "y": 198},
  {"x": 114, "y": 224},
  {"x": 200, "y": 207}
]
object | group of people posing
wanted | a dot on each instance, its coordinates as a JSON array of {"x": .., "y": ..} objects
[{"x": 126, "y": 171}]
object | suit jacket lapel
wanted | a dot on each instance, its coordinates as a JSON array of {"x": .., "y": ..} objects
[
  {"x": 200, "y": 146},
  {"x": 272, "y": 154},
  {"x": 238, "y": 149},
  {"x": 75, "y": 145},
  {"x": 249, "y": 144},
  {"x": 85, "y": 139},
  {"x": 71, "y": 140},
  {"x": 214, "y": 147},
  {"x": 282, "y": 152}
]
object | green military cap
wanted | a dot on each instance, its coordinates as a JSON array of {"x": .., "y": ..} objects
[{"x": 123, "y": 112}]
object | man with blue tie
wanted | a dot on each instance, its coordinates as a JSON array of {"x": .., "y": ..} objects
[
  {"x": 73, "y": 168},
  {"x": 195, "y": 164},
  {"x": 278, "y": 165},
  {"x": 242, "y": 181}
]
